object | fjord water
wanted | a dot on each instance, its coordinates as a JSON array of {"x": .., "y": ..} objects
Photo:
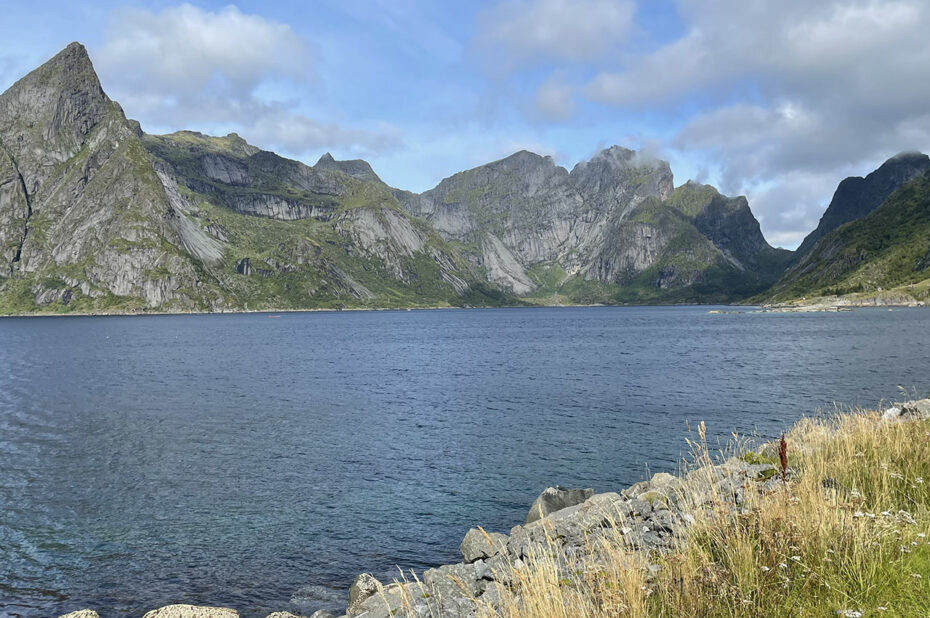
[{"x": 260, "y": 461}]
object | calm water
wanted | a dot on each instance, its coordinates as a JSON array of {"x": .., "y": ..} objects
[{"x": 261, "y": 463}]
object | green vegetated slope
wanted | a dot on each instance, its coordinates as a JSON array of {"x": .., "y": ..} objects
[{"x": 888, "y": 248}]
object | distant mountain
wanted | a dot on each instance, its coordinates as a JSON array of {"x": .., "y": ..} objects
[
  {"x": 887, "y": 248},
  {"x": 96, "y": 215},
  {"x": 613, "y": 229},
  {"x": 855, "y": 197}
]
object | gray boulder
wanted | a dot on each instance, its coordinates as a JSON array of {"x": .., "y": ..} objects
[
  {"x": 916, "y": 409},
  {"x": 452, "y": 589},
  {"x": 479, "y": 544},
  {"x": 81, "y": 613},
  {"x": 554, "y": 499},
  {"x": 364, "y": 587}
]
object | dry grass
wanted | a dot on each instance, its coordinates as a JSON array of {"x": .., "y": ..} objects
[{"x": 848, "y": 534}]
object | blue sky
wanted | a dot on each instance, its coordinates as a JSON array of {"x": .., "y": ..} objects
[{"x": 777, "y": 101}]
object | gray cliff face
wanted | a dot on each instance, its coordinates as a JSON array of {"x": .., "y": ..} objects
[
  {"x": 615, "y": 219},
  {"x": 729, "y": 224},
  {"x": 47, "y": 116},
  {"x": 81, "y": 209},
  {"x": 356, "y": 168},
  {"x": 248, "y": 180},
  {"x": 525, "y": 210},
  {"x": 393, "y": 239}
]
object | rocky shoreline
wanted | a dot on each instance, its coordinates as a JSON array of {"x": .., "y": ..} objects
[
  {"x": 646, "y": 519},
  {"x": 844, "y": 303}
]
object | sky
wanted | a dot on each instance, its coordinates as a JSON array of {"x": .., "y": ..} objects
[{"x": 778, "y": 101}]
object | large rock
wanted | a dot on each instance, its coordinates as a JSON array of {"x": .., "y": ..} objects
[
  {"x": 554, "y": 499},
  {"x": 916, "y": 409},
  {"x": 364, "y": 587},
  {"x": 479, "y": 544},
  {"x": 192, "y": 611},
  {"x": 81, "y": 613},
  {"x": 392, "y": 600}
]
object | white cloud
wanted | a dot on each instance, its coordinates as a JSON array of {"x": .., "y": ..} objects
[
  {"x": 792, "y": 94},
  {"x": 185, "y": 67},
  {"x": 518, "y": 33},
  {"x": 554, "y": 100}
]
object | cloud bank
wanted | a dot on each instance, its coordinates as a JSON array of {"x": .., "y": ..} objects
[
  {"x": 781, "y": 99},
  {"x": 187, "y": 67}
]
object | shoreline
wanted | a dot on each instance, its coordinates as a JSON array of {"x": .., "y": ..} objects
[
  {"x": 819, "y": 305},
  {"x": 348, "y": 309},
  {"x": 569, "y": 532}
]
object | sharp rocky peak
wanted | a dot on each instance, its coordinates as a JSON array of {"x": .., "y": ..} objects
[
  {"x": 69, "y": 72},
  {"x": 46, "y": 116}
]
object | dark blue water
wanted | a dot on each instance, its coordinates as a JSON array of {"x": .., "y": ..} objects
[{"x": 260, "y": 463}]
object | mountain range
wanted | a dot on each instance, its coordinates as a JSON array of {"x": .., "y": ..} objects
[{"x": 98, "y": 216}]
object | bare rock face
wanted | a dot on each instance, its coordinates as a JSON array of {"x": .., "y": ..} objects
[
  {"x": 192, "y": 611},
  {"x": 479, "y": 544},
  {"x": 612, "y": 219},
  {"x": 363, "y": 588},
  {"x": 79, "y": 196},
  {"x": 355, "y": 168},
  {"x": 554, "y": 499}
]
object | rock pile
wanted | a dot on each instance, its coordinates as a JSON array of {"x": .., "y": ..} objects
[{"x": 647, "y": 518}]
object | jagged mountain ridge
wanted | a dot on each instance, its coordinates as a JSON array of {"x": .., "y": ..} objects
[
  {"x": 97, "y": 215},
  {"x": 614, "y": 220}
]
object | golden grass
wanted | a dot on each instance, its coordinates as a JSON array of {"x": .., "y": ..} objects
[{"x": 847, "y": 535}]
